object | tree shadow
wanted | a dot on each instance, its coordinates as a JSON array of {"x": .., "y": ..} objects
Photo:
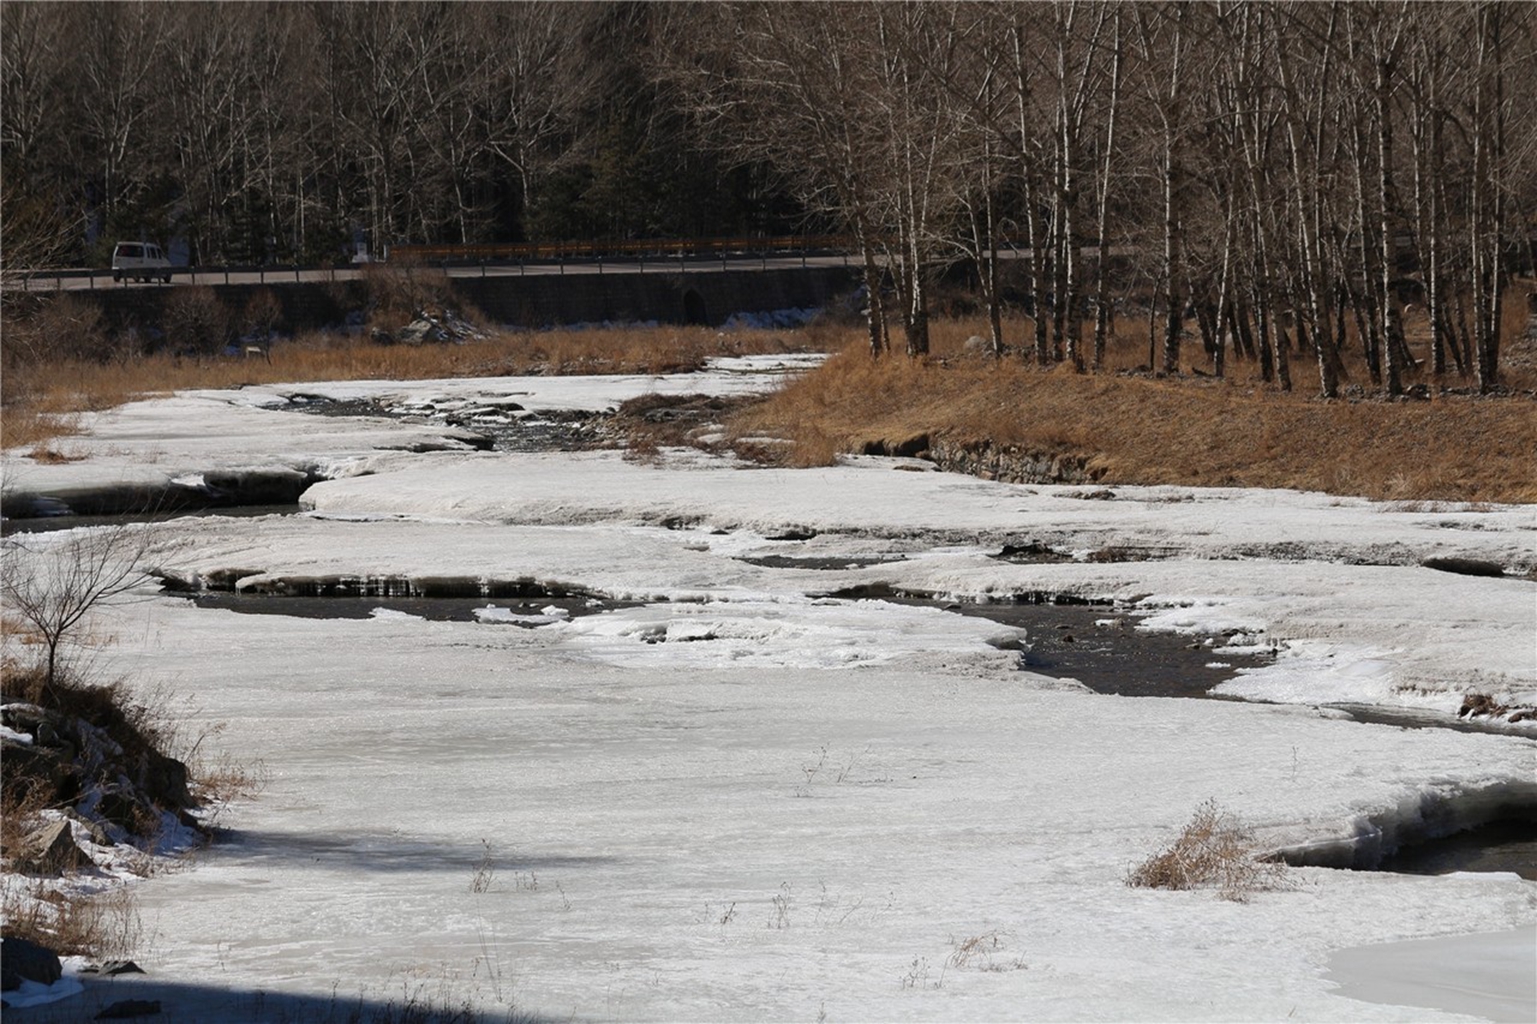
[
  {"x": 142, "y": 997},
  {"x": 364, "y": 850}
]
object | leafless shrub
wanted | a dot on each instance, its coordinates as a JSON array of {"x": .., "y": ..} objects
[
  {"x": 72, "y": 328},
  {"x": 220, "y": 780},
  {"x": 53, "y": 588},
  {"x": 1211, "y": 851},
  {"x": 400, "y": 289},
  {"x": 262, "y": 315},
  {"x": 196, "y": 322}
]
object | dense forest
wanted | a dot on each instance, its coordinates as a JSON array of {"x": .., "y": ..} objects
[{"x": 1287, "y": 175}]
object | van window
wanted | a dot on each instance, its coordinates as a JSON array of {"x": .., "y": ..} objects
[{"x": 130, "y": 250}]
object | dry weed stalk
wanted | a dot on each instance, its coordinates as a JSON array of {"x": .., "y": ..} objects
[
  {"x": 485, "y": 870},
  {"x": 72, "y": 921},
  {"x": 1211, "y": 851}
]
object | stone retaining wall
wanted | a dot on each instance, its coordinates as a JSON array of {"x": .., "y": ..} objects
[
  {"x": 1009, "y": 464},
  {"x": 698, "y": 296}
]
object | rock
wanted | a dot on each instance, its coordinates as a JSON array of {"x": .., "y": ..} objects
[
  {"x": 121, "y": 810},
  {"x": 21, "y": 960},
  {"x": 22, "y": 717},
  {"x": 164, "y": 780},
  {"x": 112, "y": 968},
  {"x": 127, "y": 1009},
  {"x": 976, "y": 346},
  {"x": 793, "y": 533},
  {"x": 1476, "y": 705},
  {"x": 92, "y": 829},
  {"x": 421, "y": 330},
  {"x": 47, "y": 773},
  {"x": 50, "y": 850},
  {"x": 1031, "y": 552}
]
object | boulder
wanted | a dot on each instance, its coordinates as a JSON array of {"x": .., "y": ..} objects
[
  {"x": 51, "y": 850},
  {"x": 120, "y": 809},
  {"x": 21, "y": 960},
  {"x": 40, "y": 774},
  {"x": 113, "y": 968},
  {"x": 421, "y": 330},
  {"x": 164, "y": 780}
]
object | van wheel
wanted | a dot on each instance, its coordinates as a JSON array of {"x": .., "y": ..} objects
[
  {"x": 167, "y": 277},
  {"x": 116, "y": 276}
]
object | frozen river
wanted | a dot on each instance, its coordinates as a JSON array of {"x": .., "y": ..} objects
[{"x": 674, "y": 766}]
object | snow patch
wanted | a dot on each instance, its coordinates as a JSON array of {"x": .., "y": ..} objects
[{"x": 780, "y": 634}]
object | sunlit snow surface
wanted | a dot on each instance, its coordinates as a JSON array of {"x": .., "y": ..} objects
[{"x": 741, "y": 799}]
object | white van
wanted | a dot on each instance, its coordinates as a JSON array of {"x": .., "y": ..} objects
[{"x": 142, "y": 260}]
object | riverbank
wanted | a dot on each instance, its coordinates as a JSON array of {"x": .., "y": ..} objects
[{"x": 1016, "y": 422}]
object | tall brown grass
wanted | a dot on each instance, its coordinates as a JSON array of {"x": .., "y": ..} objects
[{"x": 1195, "y": 431}]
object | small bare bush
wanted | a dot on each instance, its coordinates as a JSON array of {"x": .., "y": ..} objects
[
  {"x": 262, "y": 315},
  {"x": 196, "y": 322},
  {"x": 1211, "y": 851},
  {"x": 56, "y": 588},
  {"x": 401, "y": 289},
  {"x": 71, "y": 328}
]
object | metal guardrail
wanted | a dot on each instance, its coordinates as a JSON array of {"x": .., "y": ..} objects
[
  {"x": 53, "y": 280},
  {"x": 639, "y": 248},
  {"x": 664, "y": 254}
]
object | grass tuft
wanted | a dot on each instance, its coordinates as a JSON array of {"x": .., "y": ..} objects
[{"x": 1211, "y": 851}]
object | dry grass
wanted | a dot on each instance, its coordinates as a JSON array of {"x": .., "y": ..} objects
[
  {"x": 102, "y": 925},
  {"x": 1138, "y": 429},
  {"x": 1209, "y": 852}
]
